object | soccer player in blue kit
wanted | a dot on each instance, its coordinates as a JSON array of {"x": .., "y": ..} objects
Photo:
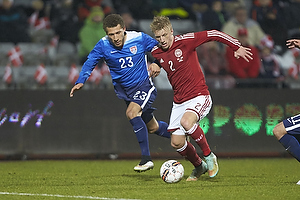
[
  {"x": 287, "y": 132},
  {"x": 125, "y": 54}
]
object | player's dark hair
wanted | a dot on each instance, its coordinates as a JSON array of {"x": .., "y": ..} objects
[{"x": 113, "y": 20}]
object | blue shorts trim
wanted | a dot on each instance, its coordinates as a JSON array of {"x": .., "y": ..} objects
[{"x": 144, "y": 94}]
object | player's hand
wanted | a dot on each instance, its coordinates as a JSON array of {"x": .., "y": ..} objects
[
  {"x": 154, "y": 70},
  {"x": 243, "y": 52},
  {"x": 293, "y": 43},
  {"x": 76, "y": 87}
]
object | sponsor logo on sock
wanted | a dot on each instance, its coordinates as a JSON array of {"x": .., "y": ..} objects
[
  {"x": 138, "y": 130},
  {"x": 198, "y": 139}
]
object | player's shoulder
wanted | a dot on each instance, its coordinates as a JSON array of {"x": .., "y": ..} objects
[
  {"x": 185, "y": 36},
  {"x": 155, "y": 49},
  {"x": 103, "y": 41},
  {"x": 103, "y": 45},
  {"x": 133, "y": 34}
]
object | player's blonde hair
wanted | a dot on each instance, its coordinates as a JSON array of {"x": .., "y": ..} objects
[{"x": 159, "y": 23}]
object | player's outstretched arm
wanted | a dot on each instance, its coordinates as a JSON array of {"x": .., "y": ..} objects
[
  {"x": 154, "y": 70},
  {"x": 293, "y": 43},
  {"x": 78, "y": 86},
  {"x": 243, "y": 52}
]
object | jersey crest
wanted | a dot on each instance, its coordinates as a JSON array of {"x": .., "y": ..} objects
[
  {"x": 133, "y": 49},
  {"x": 178, "y": 54}
]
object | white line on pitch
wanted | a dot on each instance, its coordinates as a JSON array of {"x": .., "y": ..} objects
[{"x": 61, "y": 196}]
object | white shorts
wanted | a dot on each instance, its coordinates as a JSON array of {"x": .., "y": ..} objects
[{"x": 199, "y": 105}]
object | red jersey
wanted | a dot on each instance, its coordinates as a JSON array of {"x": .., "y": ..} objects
[{"x": 181, "y": 63}]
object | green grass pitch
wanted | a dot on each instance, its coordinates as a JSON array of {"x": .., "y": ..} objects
[{"x": 251, "y": 178}]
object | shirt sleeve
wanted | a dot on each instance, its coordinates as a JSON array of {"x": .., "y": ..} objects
[
  {"x": 149, "y": 42},
  {"x": 214, "y": 35},
  {"x": 93, "y": 58}
]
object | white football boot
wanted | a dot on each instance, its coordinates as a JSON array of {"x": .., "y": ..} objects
[{"x": 142, "y": 168}]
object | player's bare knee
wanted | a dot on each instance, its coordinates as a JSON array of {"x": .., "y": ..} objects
[
  {"x": 177, "y": 143},
  {"x": 130, "y": 114},
  {"x": 152, "y": 126},
  {"x": 279, "y": 131},
  {"x": 152, "y": 129},
  {"x": 186, "y": 124}
]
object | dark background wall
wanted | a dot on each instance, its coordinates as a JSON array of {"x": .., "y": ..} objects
[{"x": 92, "y": 124}]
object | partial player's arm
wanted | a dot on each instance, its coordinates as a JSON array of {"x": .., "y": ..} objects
[
  {"x": 149, "y": 42},
  {"x": 87, "y": 68},
  {"x": 78, "y": 86},
  {"x": 293, "y": 43},
  {"x": 243, "y": 52},
  {"x": 233, "y": 43},
  {"x": 153, "y": 69}
]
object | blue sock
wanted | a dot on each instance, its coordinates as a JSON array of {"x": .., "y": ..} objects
[
  {"x": 141, "y": 133},
  {"x": 291, "y": 144},
  {"x": 163, "y": 129}
]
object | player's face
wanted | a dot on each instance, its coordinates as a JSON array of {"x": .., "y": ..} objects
[
  {"x": 165, "y": 38},
  {"x": 116, "y": 35}
]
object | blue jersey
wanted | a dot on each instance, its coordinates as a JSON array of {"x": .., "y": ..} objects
[{"x": 128, "y": 66}]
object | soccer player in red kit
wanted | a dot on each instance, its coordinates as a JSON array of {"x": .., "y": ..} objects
[{"x": 192, "y": 100}]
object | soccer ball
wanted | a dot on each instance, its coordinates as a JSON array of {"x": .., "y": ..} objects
[{"x": 171, "y": 171}]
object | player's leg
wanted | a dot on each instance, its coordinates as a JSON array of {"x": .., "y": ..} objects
[
  {"x": 190, "y": 125},
  {"x": 284, "y": 133},
  {"x": 141, "y": 99},
  {"x": 133, "y": 113},
  {"x": 198, "y": 135},
  {"x": 288, "y": 141},
  {"x": 156, "y": 127},
  {"x": 196, "y": 110},
  {"x": 187, "y": 150},
  {"x": 183, "y": 147}
]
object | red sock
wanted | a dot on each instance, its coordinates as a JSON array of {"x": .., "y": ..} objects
[
  {"x": 198, "y": 135},
  {"x": 189, "y": 151}
]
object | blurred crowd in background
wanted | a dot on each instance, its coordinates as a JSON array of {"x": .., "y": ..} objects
[{"x": 43, "y": 43}]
